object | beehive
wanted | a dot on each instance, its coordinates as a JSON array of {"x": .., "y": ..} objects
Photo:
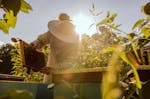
[{"x": 31, "y": 58}]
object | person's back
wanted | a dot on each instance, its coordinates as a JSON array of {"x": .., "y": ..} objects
[{"x": 63, "y": 53}]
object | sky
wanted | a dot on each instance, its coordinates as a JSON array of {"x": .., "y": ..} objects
[{"x": 29, "y": 26}]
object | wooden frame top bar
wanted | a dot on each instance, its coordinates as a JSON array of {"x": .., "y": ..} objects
[
  {"x": 22, "y": 44},
  {"x": 83, "y": 70},
  {"x": 93, "y": 75}
]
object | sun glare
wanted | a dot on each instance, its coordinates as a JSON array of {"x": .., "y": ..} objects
[{"x": 82, "y": 24}]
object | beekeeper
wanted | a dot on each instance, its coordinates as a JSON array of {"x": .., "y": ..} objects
[{"x": 63, "y": 42}]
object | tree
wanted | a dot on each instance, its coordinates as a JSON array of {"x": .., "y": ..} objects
[{"x": 6, "y": 51}]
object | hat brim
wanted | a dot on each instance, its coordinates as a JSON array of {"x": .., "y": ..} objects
[{"x": 53, "y": 28}]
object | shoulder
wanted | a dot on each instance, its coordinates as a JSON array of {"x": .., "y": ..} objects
[{"x": 52, "y": 22}]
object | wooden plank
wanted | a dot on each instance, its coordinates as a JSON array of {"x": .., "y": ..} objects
[
  {"x": 93, "y": 75},
  {"x": 83, "y": 70},
  {"x": 143, "y": 67},
  {"x": 11, "y": 77},
  {"x": 143, "y": 71}
]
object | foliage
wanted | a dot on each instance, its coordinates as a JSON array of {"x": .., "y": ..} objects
[
  {"x": 19, "y": 70},
  {"x": 135, "y": 41},
  {"x": 105, "y": 48},
  {"x": 98, "y": 49},
  {"x": 17, "y": 94},
  {"x": 11, "y": 9},
  {"x": 140, "y": 36},
  {"x": 6, "y": 51},
  {"x": 90, "y": 52},
  {"x": 92, "y": 10},
  {"x": 11, "y": 63}
]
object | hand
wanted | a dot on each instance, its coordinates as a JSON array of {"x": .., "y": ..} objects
[
  {"x": 34, "y": 44},
  {"x": 47, "y": 70}
]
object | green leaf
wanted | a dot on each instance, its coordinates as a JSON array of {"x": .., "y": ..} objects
[
  {"x": 13, "y": 5},
  {"x": 137, "y": 24},
  {"x": 93, "y": 6},
  {"x": 92, "y": 9},
  {"x": 115, "y": 27},
  {"x": 131, "y": 35},
  {"x": 146, "y": 32},
  {"x": 3, "y": 26},
  {"x": 148, "y": 17},
  {"x": 142, "y": 9},
  {"x": 118, "y": 25},
  {"x": 124, "y": 58},
  {"x": 1, "y": 61},
  {"x": 97, "y": 14},
  {"x": 25, "y": 7},
  {"x": 107, "y": 19},
  {"x": 11, "y": 19},
  {"x": 113, "y": 16},
  {"x": 108, "y": 14},
  {"x": 109, "y": 49},
  {"x": 104, "y": 21},
  {"x": 91, "y": 25}
]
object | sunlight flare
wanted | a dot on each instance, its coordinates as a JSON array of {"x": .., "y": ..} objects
[{"x": 83, "y": 24}]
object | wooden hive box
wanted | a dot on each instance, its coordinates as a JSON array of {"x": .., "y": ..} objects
[{"x": 31, "y": 58}]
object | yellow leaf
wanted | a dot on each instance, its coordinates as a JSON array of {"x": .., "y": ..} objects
[
  {"x": 11, "y": 19},
  {"x": 108, "y": 14},
  {"x": 109, "y": 49},
  {"x": 25, "y": 7},
  {"x": 1, "y": 61},
  {"x": 104, "y": 21},
  {"x": 3, "y": 26},
  {"x": 148, "y": 17},
  {"x": 138, "y": 23},
  {"x": 124, "y": 58},
  {"x": 113, "y": 16},
  {"x": 146, "y": 32}
]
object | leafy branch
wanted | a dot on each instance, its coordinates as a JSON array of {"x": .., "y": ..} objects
[{"x": 11, "y": 8}]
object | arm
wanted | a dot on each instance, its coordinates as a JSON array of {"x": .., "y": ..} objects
[{"x": 41, "y": 41}]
